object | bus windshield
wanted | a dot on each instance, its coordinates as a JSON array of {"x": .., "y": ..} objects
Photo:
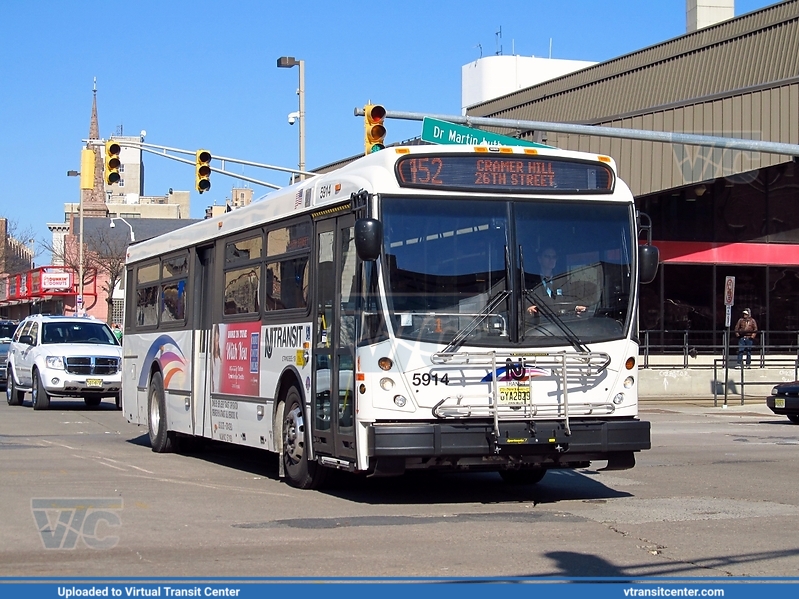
[{"x": 508, "y": 273}]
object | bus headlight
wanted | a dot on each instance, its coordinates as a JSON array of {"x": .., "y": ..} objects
[
  {"x": 618, "y": 399},
  {"x": 400, "y": 401},
  {"x": 386, "y": 384},
  {"x": 385, "y": 363},
  {"x": 628, "y": 382}
]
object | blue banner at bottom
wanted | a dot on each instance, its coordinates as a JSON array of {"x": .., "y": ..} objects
[{"x": 395, "y": 588}]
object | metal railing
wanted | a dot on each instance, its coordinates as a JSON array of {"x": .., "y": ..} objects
[
  {"x": 724, "y": 364},
  {"x": 693, "y": 343}
]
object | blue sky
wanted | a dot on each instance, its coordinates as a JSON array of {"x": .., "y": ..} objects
[{"x": 198, "y": 74}]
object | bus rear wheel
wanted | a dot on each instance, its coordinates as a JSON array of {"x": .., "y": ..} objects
[
  {"x": 160, "y": 438},
  {"x": 299, "y": 471},
  {"x": 526, "y": 476}
]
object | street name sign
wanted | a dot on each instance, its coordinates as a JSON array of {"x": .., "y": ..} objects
[{"x": 442, "y": 132}]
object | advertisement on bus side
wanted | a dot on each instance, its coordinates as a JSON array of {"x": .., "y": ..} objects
[{"x": 235, "y": 357}]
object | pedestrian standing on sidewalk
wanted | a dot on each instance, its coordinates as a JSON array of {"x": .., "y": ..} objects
[{"x": 746, "y": 331}]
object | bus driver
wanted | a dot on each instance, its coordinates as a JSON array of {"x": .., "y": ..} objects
[{"x": 551, "y": 288}]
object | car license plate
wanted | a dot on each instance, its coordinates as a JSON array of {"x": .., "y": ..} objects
[
  {"x": 94, "y": 382},
  {"x": 779, "y": 402},
  {"x": 514, "y": 396}
]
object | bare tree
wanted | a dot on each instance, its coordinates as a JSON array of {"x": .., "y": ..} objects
[{"x": 108, "y": 251}]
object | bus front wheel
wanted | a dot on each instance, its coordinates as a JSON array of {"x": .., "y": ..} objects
[
  {"x": 299, "y": 471},
  {"x": 160, "y": 439}
]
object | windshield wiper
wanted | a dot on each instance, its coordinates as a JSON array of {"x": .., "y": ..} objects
[
  {"x": 541, "y": 305},
  {"x": 461, "y": 335}
]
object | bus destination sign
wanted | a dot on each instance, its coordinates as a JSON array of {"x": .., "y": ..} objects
[{"x": 504, "y": 173}]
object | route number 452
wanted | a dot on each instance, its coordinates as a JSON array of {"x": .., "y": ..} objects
[{"x": 423, "y": 380}]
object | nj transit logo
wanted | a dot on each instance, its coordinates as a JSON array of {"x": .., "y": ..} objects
[{"x": 516, "y": 372}]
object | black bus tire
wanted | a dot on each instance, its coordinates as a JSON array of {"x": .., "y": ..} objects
[
  {"x": 525, "y": 476},
  {"x": 160, "y": 439},
  {"x": 299, "y": 471}
]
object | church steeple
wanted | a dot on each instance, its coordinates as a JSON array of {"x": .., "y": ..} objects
[
  {"x": 94, "y": 128},
  {"x": 94, "y": 199}
]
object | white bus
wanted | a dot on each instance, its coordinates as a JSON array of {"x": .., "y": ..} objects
[{"x": 468, "y": 308}]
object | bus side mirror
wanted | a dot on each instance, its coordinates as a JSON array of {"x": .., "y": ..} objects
[
  {"x": 368, "y": 238},
  {"x": 648, "y": 257}
]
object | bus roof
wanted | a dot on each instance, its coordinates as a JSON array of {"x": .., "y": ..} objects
[{"x": 373, "y": 173}]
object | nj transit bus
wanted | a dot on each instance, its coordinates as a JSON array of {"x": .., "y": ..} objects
[{"x": 469, "y": 308}]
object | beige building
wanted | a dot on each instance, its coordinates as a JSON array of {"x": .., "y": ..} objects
[{"x": 239, "y": 197}]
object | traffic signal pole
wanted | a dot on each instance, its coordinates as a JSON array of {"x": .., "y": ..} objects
[
  {"x": 163, "y": 152},
  {"x": 728, "y": 143}
]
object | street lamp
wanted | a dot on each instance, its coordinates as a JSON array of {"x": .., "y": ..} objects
[
  {"x": 113, "y": 218},
  {"x": 286, "y": 62}
]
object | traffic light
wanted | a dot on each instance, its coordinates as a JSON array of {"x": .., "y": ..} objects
[
  {"x": 202, "y": 164},
  {"x": 112, "y": 162},
  {"x": 374, "y": 131}
]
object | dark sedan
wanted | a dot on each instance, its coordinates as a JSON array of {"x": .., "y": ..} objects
[{"x": 784, "y": 400}]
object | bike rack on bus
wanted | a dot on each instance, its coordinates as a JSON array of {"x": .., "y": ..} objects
[{"x": 564, "y": 366}]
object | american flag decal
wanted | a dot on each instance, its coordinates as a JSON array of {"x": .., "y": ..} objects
[{"x": 298, "y": 199}]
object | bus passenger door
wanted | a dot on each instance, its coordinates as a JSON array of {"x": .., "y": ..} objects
[
  {"x": 202, "y": 315},
  {"x": 333, "y": 391}
]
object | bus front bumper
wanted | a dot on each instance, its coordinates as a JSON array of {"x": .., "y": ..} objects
[{"x": 546, "y": 442}]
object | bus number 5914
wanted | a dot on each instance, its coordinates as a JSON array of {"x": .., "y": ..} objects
[{"x": 423, "y": 380}]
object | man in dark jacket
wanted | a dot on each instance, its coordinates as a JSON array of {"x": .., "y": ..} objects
[{"x": 746, "y": 331}]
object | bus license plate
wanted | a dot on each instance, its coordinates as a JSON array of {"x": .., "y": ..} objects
[
  {"x": 94, "y": 382},
  {"x": 514, "y": 396},
  {"x": 779, "y": 402}
]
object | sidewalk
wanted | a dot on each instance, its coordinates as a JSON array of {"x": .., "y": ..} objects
[{"x": 704, "y": 406}]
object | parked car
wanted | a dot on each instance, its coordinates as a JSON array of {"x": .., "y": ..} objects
[
  {"x": 63, "y": 356},
  {"x": 784, "y": 400},
  {"x": 4, "y": 344}
]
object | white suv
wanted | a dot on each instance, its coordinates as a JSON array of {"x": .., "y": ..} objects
[{"x": 63, "y": 356}]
